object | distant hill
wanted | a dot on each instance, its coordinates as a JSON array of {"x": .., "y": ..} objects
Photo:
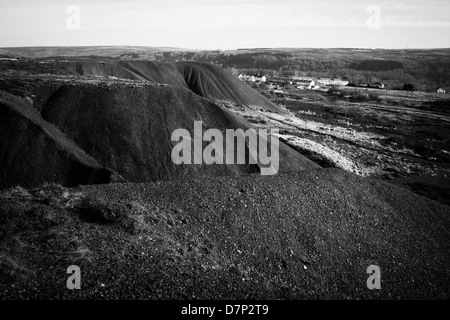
[
  {"x": 82, "y": 51},
  {"x": 427, "y": 69},
  {"x": 377, "y": 65}
]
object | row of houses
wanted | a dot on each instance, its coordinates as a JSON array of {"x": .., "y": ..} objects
[
  {"x": 254, "y": 78},
  {"x": 309, "y": 82},
  {"x": 299, "y": 82},
  {"x": 305, "y": 84},
  {"x": 332, "y": 82}
]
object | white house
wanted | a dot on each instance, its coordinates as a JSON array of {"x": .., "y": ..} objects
[
  {"x": 261, "y": 79},
  {"x": 332, "y": 82},
  {"x": 324, "y": 81},
  {"x": 304, "y": 84},
  {"x": 244, "y": 77},
  {"x": 257, "y": 78},
  {"x": 440, "y": 90},
  {"x": 340, "y": 82}
]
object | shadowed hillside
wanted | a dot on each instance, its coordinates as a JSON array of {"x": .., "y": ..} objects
[
  {"x": 34, "y": 151},
  {"x": 129, "y": 129},
  {"x": 206, "y": 80},
  {"x": 212, "y": 82},
  {"x": 123, "y": 116}
]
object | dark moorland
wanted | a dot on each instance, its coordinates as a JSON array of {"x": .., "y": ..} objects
[{"x": 87, "y": 178}]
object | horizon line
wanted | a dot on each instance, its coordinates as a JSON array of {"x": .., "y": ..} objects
[{"x": 218, "y": 49}]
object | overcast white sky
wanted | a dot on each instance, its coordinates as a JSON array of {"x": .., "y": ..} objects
[{"x": 227, "y": 24}]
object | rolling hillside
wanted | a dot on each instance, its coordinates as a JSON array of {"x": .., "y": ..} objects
[{"x": 123, "y": 116}]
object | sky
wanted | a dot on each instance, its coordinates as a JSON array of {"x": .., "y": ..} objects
[{"x": 226, "y": 24}]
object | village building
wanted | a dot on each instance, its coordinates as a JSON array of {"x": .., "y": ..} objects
[
  {"x": 304, "y": 84},
  {"x": 440, "y": 90},
  {"x": 243, "y": 77},
  {"x": 378, "y": 85},
  {"x": 332, "y": 82},
  {"x": 254, "y": 78},
  {"x": 261, "y": 79},
  {"x": 303, "y": 78},
  {"x": 280, "y": 80}
]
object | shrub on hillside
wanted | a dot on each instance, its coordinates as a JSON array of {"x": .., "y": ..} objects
[{"x": 409, "y": 87}]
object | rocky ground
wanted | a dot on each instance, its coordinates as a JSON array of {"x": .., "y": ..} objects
[
  {"x": 348, "y": 145},
  {"x": 296, "y": 235},
  {"x": 309, "y": 235},
  {"x": 398, "y": 135}
]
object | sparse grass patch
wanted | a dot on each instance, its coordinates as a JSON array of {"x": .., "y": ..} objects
[
  {"x": 30, "y": 221},
  {"x": 428, "y": 148},
  {"x": 12, "y": 269},
  {"x": 45, "y": 221},
  {"x": 133, "y": 217},
  {"x": 347, "y": 111}
]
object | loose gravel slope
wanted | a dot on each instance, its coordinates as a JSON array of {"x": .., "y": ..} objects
[{"x": 306, "y": 235}]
